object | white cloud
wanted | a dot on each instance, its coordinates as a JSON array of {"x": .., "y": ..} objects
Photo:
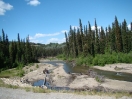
[
  {"x": 129, "y": 26},
  {"x": 33, "y": 2},
  {"x": 4, "y": 7},
  {"x": 36, "y": 38},
  {"x": 93, "y": 27},
  {"x": 55, "y": 40},
  {"x": 37, "y": 41},
  {"x": 40, "y": 35}
]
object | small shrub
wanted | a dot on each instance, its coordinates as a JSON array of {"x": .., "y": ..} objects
[
  {"x": 31, "y": 64},
  {"x": 21, "y": 73},
  {"x": 101, "y": 62},
  {"x": 37, "y": 66},
  {"x": 12, "y": 86},
  {"x": 61, "y": 56},
  {"x": 31, "y": 70},
  {"x": 95, "y": 61},
  {"x": 99, "y": 79},
  {"x": 80, "y": 61},
  {"x": 89, "y": 60}
]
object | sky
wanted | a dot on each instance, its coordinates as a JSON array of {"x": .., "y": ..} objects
[{"x": 45, "y": 21}]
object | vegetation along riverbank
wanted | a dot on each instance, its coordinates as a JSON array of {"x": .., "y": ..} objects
[{"x": 22, "y": 62}]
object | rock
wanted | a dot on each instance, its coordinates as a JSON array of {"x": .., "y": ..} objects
[{"x": 44, "y": 87}]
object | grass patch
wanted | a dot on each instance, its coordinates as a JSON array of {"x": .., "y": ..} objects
[
  {"x": 114, "y": 94},
  {"x": 40, "y": 90},
  {"x": 28, "y": 89},
  {"x": 14, "y": 72},
  {"x": 21, "y": 73},
  {"x": 9, "y": 73}
]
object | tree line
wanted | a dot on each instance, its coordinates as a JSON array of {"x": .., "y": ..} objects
[
  {"x": 87, "y": 42},
  {"x": 17, "y": 52},
  {"x": 22, "y": 52}
]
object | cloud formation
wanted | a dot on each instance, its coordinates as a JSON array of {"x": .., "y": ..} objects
[
  {"x": 36, "y": 38},
  {"x": 4, "y": 7},
  {"x": 129, "y": 26},
  {"x": 93, "y": 27},
  {"x": 33, "y": 2},
  {"x": 40, "y": 35}
]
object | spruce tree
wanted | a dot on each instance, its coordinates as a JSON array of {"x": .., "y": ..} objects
[
  {"x": 85, "y": 42},
  {"x": 119, "y": 44},
  {"x": 107, "y": 40},
  {"x": 74, "y": 43},
  {"x": 67, "y": 45},
  {"x": 131, "y": 26},
  {"x": 97, "y": 45},
  {"x": 125, "y": 37},
  {"x": 79, "y": 42},
  {"x": 91, "y": 40},
  {"x": 11, "y": 54},
  {"x": 81, "y": 34},
  {"x": 112, "y": 38},
  {"x": 102, "y": 41}
]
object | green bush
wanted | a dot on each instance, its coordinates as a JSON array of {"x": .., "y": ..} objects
[
  {"x": 78, "y": 62},
  {"x": 21, "y": 73},
  {"x": 95, "y": 61},
  {"x": 89, "y": 60},
  {"x": 126, "y": 58},
  {"x": 101, "y": 61},
  {"x": 60, "y": 56}
]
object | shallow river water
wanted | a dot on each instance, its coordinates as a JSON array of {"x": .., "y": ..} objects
[{"x": 77, "y": 69}]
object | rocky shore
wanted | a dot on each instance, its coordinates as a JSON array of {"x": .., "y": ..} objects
[{"x": 58, "y": 77}]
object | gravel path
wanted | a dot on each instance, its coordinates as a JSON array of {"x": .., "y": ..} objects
[{"x": 6, "y": 93}]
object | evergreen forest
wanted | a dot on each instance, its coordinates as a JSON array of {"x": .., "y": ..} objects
[
  {"x": 99, "y": 46},
  {"x": 22, "y": 52},
  {"x": 83, "y": 45}
]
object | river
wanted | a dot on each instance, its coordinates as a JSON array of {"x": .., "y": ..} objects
[
  {"x": 81, "y": 69},
  {"x": 108, "y": 74}
]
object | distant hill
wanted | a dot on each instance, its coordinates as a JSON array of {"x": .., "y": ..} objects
[{"x": 50, "y": 45}]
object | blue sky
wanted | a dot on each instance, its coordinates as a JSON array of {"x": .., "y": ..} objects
[{"x": 46, "y": 21}]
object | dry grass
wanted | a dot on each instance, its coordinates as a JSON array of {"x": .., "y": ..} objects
[{"x": 114, "y": 94}]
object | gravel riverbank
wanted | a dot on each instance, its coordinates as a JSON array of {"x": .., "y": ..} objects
[{"x": 6, "y": 93}]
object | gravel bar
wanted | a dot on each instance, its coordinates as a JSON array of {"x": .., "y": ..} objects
[{"x": 7, "y": 93}]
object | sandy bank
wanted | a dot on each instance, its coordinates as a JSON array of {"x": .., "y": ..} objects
[
  {"x": 120, "y": 67},
  {"x": 60, "y": 78}
]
